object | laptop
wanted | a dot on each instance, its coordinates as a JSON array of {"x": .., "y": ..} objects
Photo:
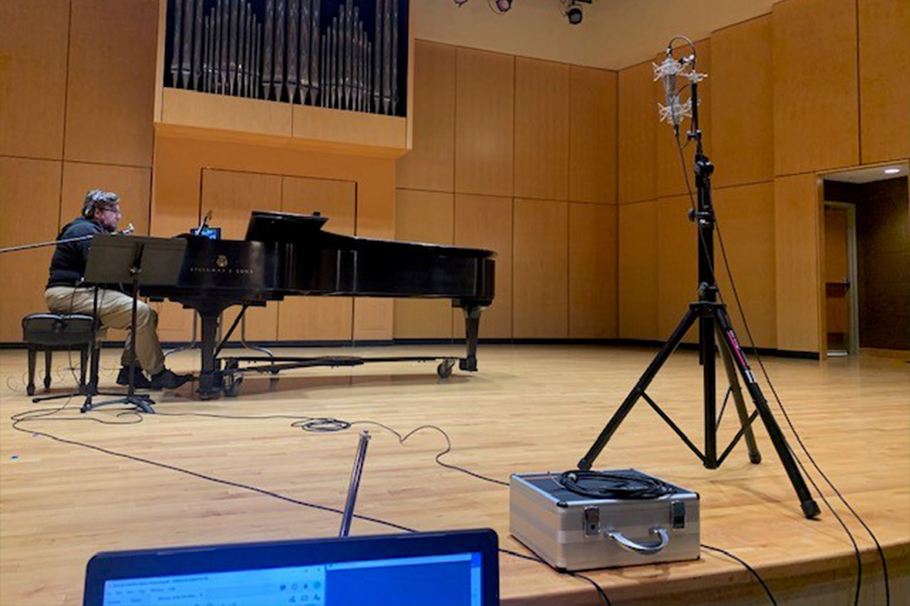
[{"x": 420, "y": 569}]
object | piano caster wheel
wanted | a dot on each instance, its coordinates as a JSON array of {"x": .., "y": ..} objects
[
  {"x": 444, "y": 370},
  {"x": 232, "y": 383}
]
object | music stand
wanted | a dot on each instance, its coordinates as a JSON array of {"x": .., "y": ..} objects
[{"x": 138, "y": 261}]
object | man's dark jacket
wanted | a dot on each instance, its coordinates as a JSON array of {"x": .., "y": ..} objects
[{"x": 68, "y": 262}]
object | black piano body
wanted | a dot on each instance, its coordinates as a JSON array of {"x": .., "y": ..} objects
[{"x": 287, "y": 255}]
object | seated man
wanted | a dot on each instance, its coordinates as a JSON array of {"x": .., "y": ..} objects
[{"x": 65, "y": 294}]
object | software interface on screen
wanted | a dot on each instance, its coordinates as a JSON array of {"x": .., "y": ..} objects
[{"x": 453, "y": 579}]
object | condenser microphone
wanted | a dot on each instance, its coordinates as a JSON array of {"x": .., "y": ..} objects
[
  {"x": 126, "y": 230},
  {"x": 667, "y": 73}
]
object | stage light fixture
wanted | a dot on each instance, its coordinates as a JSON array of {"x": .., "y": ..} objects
[
  {"x": 572, "y": 10},
  {"x": 503, "y": 5}
]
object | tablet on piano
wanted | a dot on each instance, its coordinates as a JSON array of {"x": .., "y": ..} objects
[
  {"x": 212, "y": 233},
  {"x": 420, "y": 569}
]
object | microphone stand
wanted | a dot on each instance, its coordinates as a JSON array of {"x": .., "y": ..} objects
[
  {"x": 129, "y": 229},
  {"x": 715, "y": 329}
]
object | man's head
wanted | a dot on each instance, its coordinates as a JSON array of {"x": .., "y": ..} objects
[{"x": 103, "y": 207}]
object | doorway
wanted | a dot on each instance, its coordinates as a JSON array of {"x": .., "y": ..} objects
[
  {"x": 841, "y": 285},
  {"x": 865, "y": 270}
]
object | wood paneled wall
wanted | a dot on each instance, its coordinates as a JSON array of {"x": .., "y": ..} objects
[
  {"x": 232, "y": 177},
  {"x": 815, "y": 85},
  {"x": 76, "y": 98},
  {"x": 884, "y": 79},
  {"x": 816, "y": 90},
  {"x": 523, "y": 161}
]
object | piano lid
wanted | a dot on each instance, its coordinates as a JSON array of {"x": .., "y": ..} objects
[{"x": 272, "y": 226}]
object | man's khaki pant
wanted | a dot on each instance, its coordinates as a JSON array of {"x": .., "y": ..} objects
[{"x": 115, "y": 310}]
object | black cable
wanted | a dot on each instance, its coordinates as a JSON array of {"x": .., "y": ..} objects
[
  {"x": 780, "y": 405},
  {"x": 43, "y": 414},
  {"x": 751, "y": 570}
]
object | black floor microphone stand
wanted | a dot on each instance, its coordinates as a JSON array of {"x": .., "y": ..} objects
[{"x": 715, "y": 331}]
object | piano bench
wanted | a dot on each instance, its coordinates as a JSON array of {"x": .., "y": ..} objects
[{"x": 49, "y": 332}]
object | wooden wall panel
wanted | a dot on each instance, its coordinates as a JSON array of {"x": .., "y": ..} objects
[
  {"x": 181, "y": 158},
  {"x": 319, "y": 318},
  {"x": 593, "y": 252},
  {"x": 486, "y": 222},
  {"x": 431, "y": 163},
  {"x": 541, "y": 278},
  {"x": 746, "y": 219},
  {"x": 816, "y": 108},
  {"x": 111, "y": 81},
  {"x": 677, "y": 265},
  {"x": 133, "y": 185},
  {"x": 884, "y": 77},
  {"x": 671, "y": 179},
  {"x": 742, "y": 116},
  {"x": 231, "y": 196},
  {"x": 422, "y": 216},
  {"x": 33, "y": 39},
  {"x": 592, "y": 135},
  {"x": 797, "y": 243},
  {"x": 541, "y": 129},
  {"x": 637, "y": 116},
  {"x": 30, "y": 199},
  {"x": 638, "y": 270},
  {"x": 484, "y": 122}
]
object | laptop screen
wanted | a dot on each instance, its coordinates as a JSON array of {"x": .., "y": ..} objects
[{"x": 458, "y": 568}]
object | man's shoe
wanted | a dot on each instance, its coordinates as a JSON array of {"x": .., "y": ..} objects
[
  {"x": 139, "y": 380},
  {"x": 167, "y": 379}
]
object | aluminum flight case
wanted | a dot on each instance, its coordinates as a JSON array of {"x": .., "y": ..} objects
[{"x": 571, "y": 531}]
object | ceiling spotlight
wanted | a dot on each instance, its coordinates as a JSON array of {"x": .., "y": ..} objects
[
  {"x": 460, "y": 3},
  {"x": 892, "y": 171},
  {"x": 500, "y": 6},
  {"x": 572, "y": 10}
]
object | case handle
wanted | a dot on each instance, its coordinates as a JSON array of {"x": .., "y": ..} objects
[{"x": 642, "y": 548}]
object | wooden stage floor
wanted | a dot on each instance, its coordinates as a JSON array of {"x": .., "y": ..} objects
[{"x": 530, "y": 408}]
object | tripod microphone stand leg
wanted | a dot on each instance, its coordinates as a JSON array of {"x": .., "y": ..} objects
[
  {"x": 640, "y": 387},
  {"x": 737, "y": 392},
  {"x": 809, "y": 506}
]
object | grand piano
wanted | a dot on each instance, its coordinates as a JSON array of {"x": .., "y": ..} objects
[{"x": 286, "y": 255}]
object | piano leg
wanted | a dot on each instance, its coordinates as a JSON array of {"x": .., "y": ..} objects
[
  {"x": 209, "y": 378},
  {"x": 471, "y": 330}
]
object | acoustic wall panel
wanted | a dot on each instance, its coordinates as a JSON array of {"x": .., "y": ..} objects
[
  {"x": 431, "y": 163},
  {"x": 541, "y": 280},
  {"x": 592, "y": 135},
  {"x": 742, "y": 116},
  {"x": 797, "y": 211},
  {"x": 319, "y": 318},
  {"x": 816, "y": 93},
  {"x": 111, "y": 82},
  {"x": 541, "y": 129},
  {"x": 486, "y": 222},
  {"x": 884, "y": 78},
  {"x": 637, "y": 108},
  {"x": 638, "y": 244},
  {"x": 33, "y": 44},
  {"x": 422, "y": 216},
  {"x": 484, "y": 122},
  {"x": 232, "y": 196},
  {"x": 593, "y": 252},
  {"x": 745, "y": 217},
  {"x": 677, "y": 265},
  {"x": 30, "y": 198}
]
